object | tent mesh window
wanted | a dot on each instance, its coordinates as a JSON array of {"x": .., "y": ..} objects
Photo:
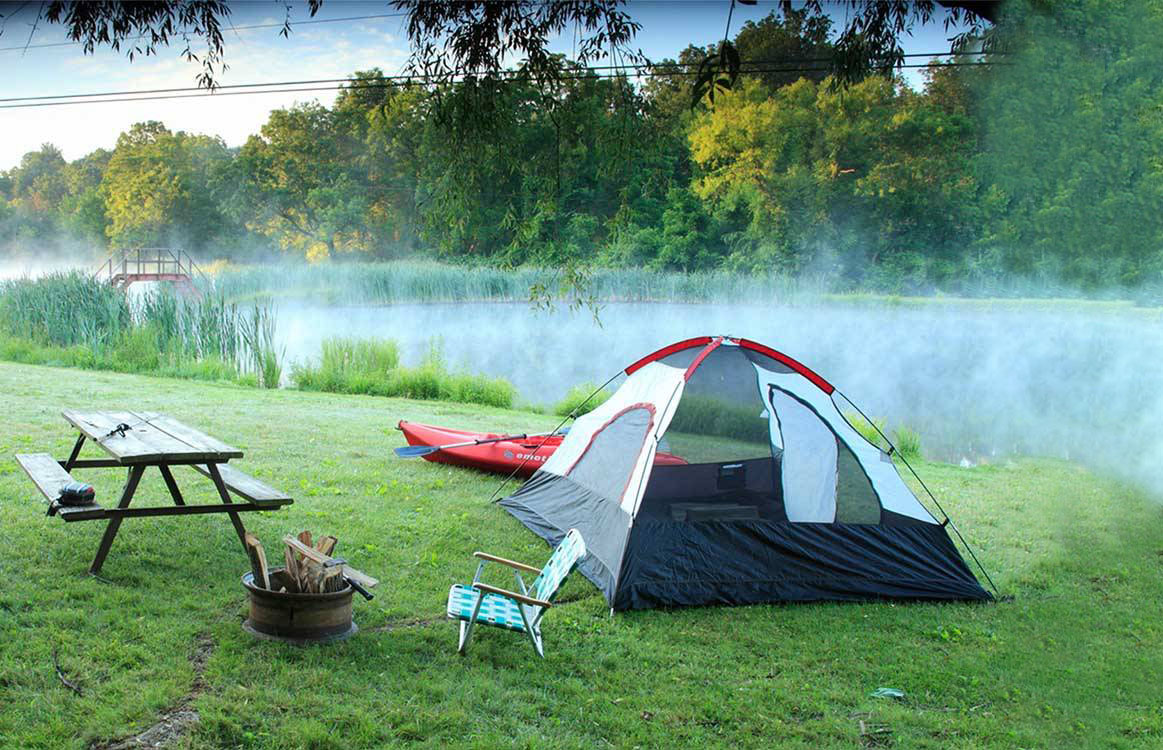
[
  {"x": 721, "y": 429},
  {"x": 611, "y": 454},
  {"x": 721, "y": 416},
  {"x": 856, "y": 502}
]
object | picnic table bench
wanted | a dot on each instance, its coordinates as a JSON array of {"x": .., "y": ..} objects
[{"x": 136, "y": 441}]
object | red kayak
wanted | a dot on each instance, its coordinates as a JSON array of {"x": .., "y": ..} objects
[{"x": 525, "y": 455}]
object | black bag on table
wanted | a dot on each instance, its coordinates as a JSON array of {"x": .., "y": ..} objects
[{"x": 73, "y": 494}]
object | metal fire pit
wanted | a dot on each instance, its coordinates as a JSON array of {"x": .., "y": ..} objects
[{"x": 297, "y": 618}]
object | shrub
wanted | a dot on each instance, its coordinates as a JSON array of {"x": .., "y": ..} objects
[
  {"x": 371, "y": 366},
  {"x": 870, "y": 430},
  {"x": 908, "y": 443},
  {"x": 575, "y": 401},
  {"x": 136, "y": 350},
  {"x": 344, "y": 356}
]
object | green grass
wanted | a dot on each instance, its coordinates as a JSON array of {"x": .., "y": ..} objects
[
  {"x": 372, "y": 367},
  {"x": 1074, "y": 660},
  {"x": 74, "y": 320}
]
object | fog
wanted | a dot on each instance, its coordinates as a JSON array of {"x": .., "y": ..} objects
[
  {"x": 980, "y": 381},
  {"x": 27, "y": 267}
]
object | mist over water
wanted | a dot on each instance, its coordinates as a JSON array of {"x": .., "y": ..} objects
[{"x": 979, "y": 381}]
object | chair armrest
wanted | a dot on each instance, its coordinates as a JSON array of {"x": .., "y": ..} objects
[
  {"x": 503, "y": 561},
  {"x": 513, "y": 595}
]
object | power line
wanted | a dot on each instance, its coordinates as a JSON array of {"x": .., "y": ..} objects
[
  {"x": 248, "y": 27},
  {"x": 386, "y": 84},
  {"x": 641, "y": 70}
]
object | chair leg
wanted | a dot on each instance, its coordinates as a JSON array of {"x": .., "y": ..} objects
[
  {"x": 535, "y": 636},
  {"x": 465, "y": 634},
  {"x": 466, "y": 627}
]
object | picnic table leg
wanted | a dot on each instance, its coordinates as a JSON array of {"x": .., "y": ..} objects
[
  {"x": 225, "y": 495},
  {"x": 175, "y": 493},
  {"x": 135, "y": 473},
  {"x": 76, "y": 452}
]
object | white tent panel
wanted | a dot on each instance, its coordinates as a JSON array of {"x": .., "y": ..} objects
[
  {"x": 656, "y": 385},
  {"x": 893, "y": 493},
  {"x": 808, "y": 465}
]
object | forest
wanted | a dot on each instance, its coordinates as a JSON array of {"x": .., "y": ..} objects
[{"x": 1041, "y": 159}]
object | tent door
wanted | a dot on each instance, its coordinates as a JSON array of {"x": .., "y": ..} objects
[{"x": 808, "y": 465}]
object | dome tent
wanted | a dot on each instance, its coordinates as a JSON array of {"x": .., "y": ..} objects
[{"x": 780, "y": 498}]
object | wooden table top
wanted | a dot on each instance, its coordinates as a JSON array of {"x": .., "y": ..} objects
[{"x": 151, "y": 437}]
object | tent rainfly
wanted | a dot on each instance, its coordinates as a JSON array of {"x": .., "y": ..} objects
[{"x": 780, "y": 498}]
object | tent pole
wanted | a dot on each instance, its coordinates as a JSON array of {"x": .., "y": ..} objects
[
  {"x": 928, "y": 492},
  {"x": 571, "y": 415}
]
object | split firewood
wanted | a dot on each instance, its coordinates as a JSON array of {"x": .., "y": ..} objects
[
  {"x": 258, "y": 561},
  {"x": 312, "y": 575},
  {"x": 312, "y": 554},
  {"x": 333, "y": 579},
  {"x": 305, "y": 538},
  {"x": 291, "y": 573},
  {"x": 326, "y": 544}
]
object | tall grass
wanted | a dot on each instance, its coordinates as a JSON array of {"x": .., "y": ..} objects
[
  {"x": 429, "y": 281},
  {"x": 906, "y": 440},
  {"x": 908, "y": 443},
  {"x": 64, "y": 309},
  {"x": 74, "y": 320},
  {"x": 578, "y": 400},
  {"x": 372, "y": 366},
  {"x": 264, "y": 359}
]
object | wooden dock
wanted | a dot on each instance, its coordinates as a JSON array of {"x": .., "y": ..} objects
[{"x": 123, "y": 268}]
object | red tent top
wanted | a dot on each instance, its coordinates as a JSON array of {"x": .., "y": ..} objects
[{"x": 710, "y": 343}]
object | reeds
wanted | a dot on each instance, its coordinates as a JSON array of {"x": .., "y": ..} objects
[
  {"x": 63, "y": 309},
  {"x": 429, "y": 281},
  {"x": 73, "y": 319},
  {"x": 262, "y": 357},
  {"x": 372, "y": 367},
  {"x": 581, "y": 399}
]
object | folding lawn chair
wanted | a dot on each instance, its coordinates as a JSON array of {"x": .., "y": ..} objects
[{"x": 522, "y": 612}]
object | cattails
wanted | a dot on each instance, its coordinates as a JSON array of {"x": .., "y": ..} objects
[{"x": 158, "y": 330}]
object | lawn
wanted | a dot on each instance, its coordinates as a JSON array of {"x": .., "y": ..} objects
[{"x": 1074, "y": 659}]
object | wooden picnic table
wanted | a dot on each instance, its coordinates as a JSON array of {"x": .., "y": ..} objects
[{"x": 136, "y": 441}]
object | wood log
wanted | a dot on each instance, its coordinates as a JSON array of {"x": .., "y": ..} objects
[
  {"x": 333, "y": 579},
  {"x": 326, "y": 544},
  {"x": 291, "y": 574},
  {"x": 361, "y": 578},
  {"x": 258, "y": 561},
  {"x": 312, "y": 576},
  {"x": 305, "y": 538}
]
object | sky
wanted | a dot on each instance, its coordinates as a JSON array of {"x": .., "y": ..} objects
[{"x": 342, "y": 38}]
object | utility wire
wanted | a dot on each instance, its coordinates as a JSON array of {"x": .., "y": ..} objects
[
  {"x": 387, "y": 82},
  {"x": 663, "y": 67}
]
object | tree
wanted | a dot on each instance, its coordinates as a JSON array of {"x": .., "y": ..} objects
[
  {"x": 783, "y": 46},
  {"x": 302, "y": 184},
  {"x": 83, "y": 208},
  {"x": 758, "y": 156},
  {"x": 1072, "y": 146},
  {"x": 481, "y": 37},
  {"x": 39, "y": 182},
  {"x": 156, "y": 188}
]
